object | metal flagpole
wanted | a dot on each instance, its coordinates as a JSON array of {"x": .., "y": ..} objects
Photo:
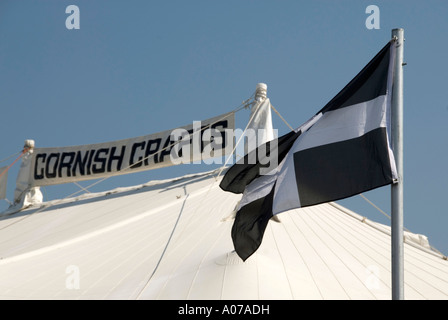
[{"x": 397, "y": 188}]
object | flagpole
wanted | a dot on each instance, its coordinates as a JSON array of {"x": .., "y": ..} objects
[{"x": 397, "y": 188}]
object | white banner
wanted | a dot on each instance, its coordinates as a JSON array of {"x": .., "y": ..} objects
[{"x": 201, "y": 140}]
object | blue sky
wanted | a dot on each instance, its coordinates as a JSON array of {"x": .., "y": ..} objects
[{"x": 140, "y": 67}]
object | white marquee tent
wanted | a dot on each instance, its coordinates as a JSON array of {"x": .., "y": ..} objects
[{"x": 171, "y": 240}]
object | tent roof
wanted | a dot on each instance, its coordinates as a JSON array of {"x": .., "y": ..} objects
[{"x": 171, "y": 240}]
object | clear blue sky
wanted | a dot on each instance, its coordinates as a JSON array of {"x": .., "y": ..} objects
[{"x": 139, "y": 67}]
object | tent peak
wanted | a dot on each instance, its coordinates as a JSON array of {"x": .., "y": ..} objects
[{"x": 261, "y": 92}]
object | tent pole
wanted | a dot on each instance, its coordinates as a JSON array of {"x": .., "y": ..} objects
[{"x": 397, "y": 188}]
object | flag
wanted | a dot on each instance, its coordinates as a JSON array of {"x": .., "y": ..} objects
[{"x": 343, "y": 150}]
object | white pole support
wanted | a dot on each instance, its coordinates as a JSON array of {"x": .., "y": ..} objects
[
  {"x": 24, "y": 194},
  {"x": 397, "y": 188}
]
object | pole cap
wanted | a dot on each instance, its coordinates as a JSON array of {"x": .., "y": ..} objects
[
  {"x": 29, "y": 144},
  {"x": 261, "y": 91}
]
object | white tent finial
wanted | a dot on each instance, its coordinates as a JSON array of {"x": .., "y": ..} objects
[
  {"x": 261, "y": 92},
  {"x": 29, "y": 144},
  {"x": 260, "y": 129}
]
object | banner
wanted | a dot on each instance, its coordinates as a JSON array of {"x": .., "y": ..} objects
[{"x": 192, "y": 143}]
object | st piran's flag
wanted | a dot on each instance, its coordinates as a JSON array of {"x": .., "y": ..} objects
[{"x": 343, "y": 150}]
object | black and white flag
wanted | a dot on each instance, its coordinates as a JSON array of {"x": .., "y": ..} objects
[{"x": 342, "y": 151}]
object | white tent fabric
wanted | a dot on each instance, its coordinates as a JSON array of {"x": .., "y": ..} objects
[{"x": 171, "y": 240}]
